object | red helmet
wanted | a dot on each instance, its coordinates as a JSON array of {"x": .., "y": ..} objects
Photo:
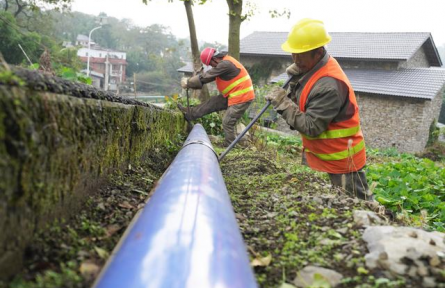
[{"x": 207, "y": 54}]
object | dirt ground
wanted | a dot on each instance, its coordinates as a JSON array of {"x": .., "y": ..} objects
[
  {"x": 286, "y": 213},
  {"x": 294, "y": 217}
]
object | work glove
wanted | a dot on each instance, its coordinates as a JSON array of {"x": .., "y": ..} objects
[
  {"x": 278, "y": 99},
  {"x": 184, "y": 81},
  {"x": 293, "y": 70},
  {"x": 194, "y": 82}
]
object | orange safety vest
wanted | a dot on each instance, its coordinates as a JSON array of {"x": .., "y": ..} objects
[
  {"x": 341, "y": 148},
  {"x": 239, "y": 89}
]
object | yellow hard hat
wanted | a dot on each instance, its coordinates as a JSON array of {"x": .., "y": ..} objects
[{"x": 306, "y": 35}]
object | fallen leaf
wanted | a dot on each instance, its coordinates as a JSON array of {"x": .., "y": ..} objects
[
  {"x": 101, "y": 252},
  {"x": 126, "y": 205},
  {"x": 261, "y": 261},
  {"x": 111, "y": 229},
  {"x": 139, "y": 191},
  {"x": 89, "y": 269}
]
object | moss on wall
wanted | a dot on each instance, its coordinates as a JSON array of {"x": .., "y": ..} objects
[{"x": 54, "y": 151}]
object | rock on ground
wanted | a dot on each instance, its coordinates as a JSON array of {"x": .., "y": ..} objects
[{"x": 407, "y": 252}]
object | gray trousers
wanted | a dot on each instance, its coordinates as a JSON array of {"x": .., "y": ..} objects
[
  {"x": 354, "y": 183},
  {"x": 220, "y": 103}
]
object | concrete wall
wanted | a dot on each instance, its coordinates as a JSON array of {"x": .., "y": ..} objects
[
  {"x": 397, "y": 122},
  {"x": 56, "y": 149}
]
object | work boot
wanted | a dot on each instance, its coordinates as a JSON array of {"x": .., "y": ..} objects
[{"x": 184, "y": 111}]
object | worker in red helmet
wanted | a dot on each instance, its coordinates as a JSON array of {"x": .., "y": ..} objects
[
  {"x": 234, "y": 85},
  {"x": 321, "y": 104}
]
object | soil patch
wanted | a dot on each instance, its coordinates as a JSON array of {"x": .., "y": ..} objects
[{"x": 292, "y": 215}]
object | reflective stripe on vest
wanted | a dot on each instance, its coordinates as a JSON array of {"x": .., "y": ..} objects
[
  {"x": 342, "y": 154},
  {"x": 241, "y": 92},
  {"x": 240, "y": 88},
  {"x": 338, "y": 133},
  {"x": 228, "y": 88}
]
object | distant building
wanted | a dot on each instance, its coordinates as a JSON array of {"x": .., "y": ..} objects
[
  {"x": 82, "y": 40},
  {"x": 67, "y": 44},
  {"x": 107, "y": 67}
]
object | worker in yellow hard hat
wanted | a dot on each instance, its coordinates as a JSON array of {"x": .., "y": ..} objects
[{"x": 320, "y": 103}]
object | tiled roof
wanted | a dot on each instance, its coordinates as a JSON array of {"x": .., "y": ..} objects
[
  {"x": 393, "y": 46},
  {"x": 423, "y": 83},
  {"x": 81, "y": 37}
]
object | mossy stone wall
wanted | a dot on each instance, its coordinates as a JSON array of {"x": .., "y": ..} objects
[{"x": 56, "y": 149}]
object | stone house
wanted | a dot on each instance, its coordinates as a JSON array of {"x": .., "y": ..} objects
[{"x": 396, "y": 77}]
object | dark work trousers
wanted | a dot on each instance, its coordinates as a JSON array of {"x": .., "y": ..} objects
[
  {"x": 220, "y": 103},
  {"x": 354, "y": 183}
]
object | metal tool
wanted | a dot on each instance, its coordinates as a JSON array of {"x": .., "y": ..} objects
[
  {"x": 250, "y": 124},
  {"x": 189, "y": 123}
]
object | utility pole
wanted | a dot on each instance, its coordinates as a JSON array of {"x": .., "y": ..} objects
[
  {"x": 102, "y": 21},
  {"x": 107, "y": 72},
  {"x": 89, "y": 49}
]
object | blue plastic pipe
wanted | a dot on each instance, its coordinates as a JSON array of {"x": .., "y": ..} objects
[{"x": 187, "y": 234}]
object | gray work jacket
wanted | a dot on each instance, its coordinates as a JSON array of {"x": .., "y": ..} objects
[
  {"x": 327, "y": 102},
  {"x": 225, "y": 70}
]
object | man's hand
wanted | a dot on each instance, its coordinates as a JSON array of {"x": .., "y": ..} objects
[
  {"x": 277, "y": 96},
  {"x": 293, "y": 70},
  {"x": 184, "y": 81}
]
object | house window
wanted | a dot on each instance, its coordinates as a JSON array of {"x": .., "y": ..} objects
[
  {"x": 100, "y": 55},
  {"x": 86, "y": 54}
]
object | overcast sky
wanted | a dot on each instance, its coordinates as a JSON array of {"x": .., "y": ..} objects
[{"x": 338, "y": 15}]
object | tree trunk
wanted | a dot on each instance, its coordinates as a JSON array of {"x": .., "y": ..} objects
[
  {"x": 235, "y": 19},
  {"x": 20, "y": 7},
  {"x": 204, "y": 94}
]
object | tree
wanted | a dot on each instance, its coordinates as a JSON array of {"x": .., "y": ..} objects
[
  {"x": 11, "y": 37},
  {"x": 204, "y": 94},
  {"x": 236, "y": 17},
  {"x": 18, "y": 7},
  {"x": 235, "y": 20}
]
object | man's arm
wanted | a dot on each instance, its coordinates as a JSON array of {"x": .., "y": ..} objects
[
  {"x": 323, "y": 105},
  {"x": 225, "y": 70}
]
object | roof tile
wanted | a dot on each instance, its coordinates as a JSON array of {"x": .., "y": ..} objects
[
  {"x": 353, "y": 45},
  {"x": 423, "y": 83}
]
